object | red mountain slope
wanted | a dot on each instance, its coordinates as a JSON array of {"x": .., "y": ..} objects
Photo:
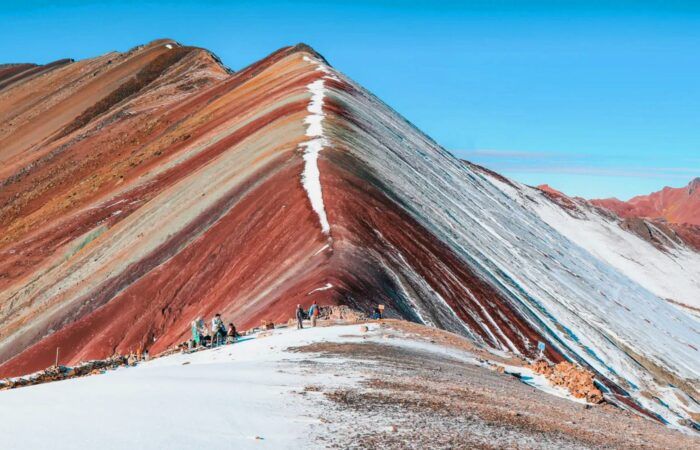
[{"x": 674, "y": 205}]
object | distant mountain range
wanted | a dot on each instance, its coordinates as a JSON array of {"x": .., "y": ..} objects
[
  {"x": 141, "y": 190},
  {"x": 673, "y": 205},
  {"x": 674, "y": 210}
]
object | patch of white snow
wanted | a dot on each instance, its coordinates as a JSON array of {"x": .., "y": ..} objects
[
  {"x": 311, "y": 176},
  {"x": 322, "y": 288}
]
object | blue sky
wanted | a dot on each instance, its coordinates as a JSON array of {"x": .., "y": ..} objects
[{"x": 597, "y": 99}]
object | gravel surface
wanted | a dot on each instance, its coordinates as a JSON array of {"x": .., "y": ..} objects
[{"x": 409, "y": 398}]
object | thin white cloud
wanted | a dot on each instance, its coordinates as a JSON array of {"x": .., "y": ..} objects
[
  {"x": 612, "y": 165},
  {"x": 646, "y": 172}
]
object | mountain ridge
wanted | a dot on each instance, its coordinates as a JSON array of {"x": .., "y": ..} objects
[
  {"x": 244, "y": 193},
  {"x": 674, "y": 205}
]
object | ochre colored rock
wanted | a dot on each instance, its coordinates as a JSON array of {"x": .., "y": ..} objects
[{"x": 577, "y": 380}]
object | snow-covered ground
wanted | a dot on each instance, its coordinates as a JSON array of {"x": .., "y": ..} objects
[
  {"x": 237, "y": 396},
  {"x": 671, "y": 274},
  {"x": 244, "y": 395}
]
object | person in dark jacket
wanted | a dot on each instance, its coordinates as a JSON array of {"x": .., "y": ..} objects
[
  {"x": 218, "y": 331},
  {"x": 300, "y": 317},
  {"x": 231, "y": 334}
]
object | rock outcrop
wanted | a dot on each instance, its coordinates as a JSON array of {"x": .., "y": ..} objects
[{"x": 579, "y": 382}]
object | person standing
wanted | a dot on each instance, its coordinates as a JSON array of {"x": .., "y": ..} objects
[
  {"x": 300, "y": 317},
  {"x": 313, "y": 313},
  {"x": 197, "y": 331},
  {"x": 217, "y": 330}
]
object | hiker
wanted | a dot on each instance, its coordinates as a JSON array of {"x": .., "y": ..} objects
[
  {"x": 376, "y": 313},
  {"x": 206, "y": 338},
  {"x": 217, "y": 330},
  {"x": 197, "y": 331},
  {"x": 300, "y": 317},
  {"x": 231, "y": 334},
  {"x": 313, "y": 313}
]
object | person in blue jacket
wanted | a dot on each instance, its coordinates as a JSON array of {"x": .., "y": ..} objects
[{"x": 313, "y": 313}]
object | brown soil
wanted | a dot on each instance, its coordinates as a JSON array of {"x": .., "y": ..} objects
[{"x": 414, "y": 399}]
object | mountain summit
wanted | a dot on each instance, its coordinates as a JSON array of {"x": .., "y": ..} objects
[{"x": 141, "y": 190}]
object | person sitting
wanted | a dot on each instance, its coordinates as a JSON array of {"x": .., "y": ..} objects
[
  {"x": 231, "y": 334},
  {"x": 376, "y": 313}
]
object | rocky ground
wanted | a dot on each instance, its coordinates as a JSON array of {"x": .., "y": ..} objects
[{"x": 410, "y": 398}]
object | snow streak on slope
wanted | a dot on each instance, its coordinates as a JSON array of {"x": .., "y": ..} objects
[
  {"x": 587, "y": 309},
  {"x": 672, "y": 273},
  {"x": 311, "y": 178}
]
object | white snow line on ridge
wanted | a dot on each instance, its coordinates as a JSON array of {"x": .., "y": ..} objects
[
  {"x": 322, "y": 288},
  {"x": 311, "y": 176},
  {"x": 321, "y": 249}
]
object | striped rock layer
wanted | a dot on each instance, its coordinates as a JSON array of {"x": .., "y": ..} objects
[{"x": 141, "y": 190}]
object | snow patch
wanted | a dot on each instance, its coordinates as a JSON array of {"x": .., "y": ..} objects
[
  {"x": 322, "y": 249},
  {"x": 311, "y": 176},
  {"x": 322, "y": 288}
]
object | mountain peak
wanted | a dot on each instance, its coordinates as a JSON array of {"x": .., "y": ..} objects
[{"x": 162, "y": 189}]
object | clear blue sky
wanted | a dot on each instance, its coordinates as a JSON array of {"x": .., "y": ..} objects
[{"x": 595, "y": 98}]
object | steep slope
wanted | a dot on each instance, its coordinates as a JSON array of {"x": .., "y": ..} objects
[
  {"x": 677, "y": 209},
  {"x": 655, "y": 254},
  {"x": 674, "y": 205},
  {"x": 247, "y": 193}
]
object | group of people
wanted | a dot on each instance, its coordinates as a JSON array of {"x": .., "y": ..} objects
[
  {"x": 217, "y": 335},
  {"x": 315, "y": 310},
  {"x": 313, "y": 314}
]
